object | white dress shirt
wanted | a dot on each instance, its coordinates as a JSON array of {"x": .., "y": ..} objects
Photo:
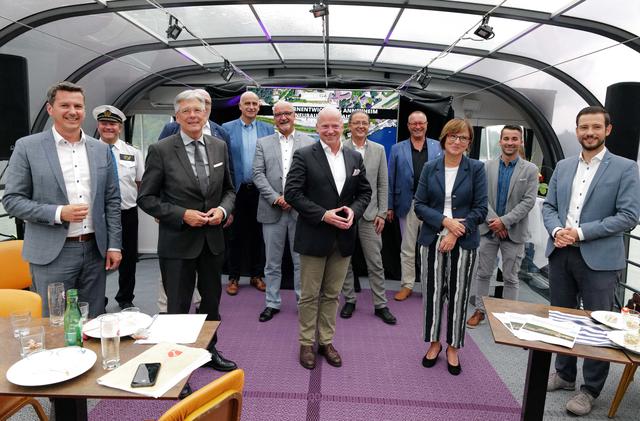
[
  {"x": 286, "y": 151},
  {"x": 336, "y": 162},
  {"x": 130, "y": 170},
  {"x": 450, "y": 174},
  {"x": 74, "y": 164}
]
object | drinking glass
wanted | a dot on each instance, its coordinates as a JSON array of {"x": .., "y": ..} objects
[
  {"x": 110, "y": 341},
  {"x": 632, "y": 319},
  {"x": 55, "y": 296},
  {"x": 20, "y": 322},
  {"x": 84, "y": 311},
  {"x": 32, "y": 341}
]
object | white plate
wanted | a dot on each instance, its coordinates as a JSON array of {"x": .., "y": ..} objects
[
  {"x": 130, "y": 322},
  {"x": 609, "y": 318},
  {"x": 617, "y": 337},
  {"x": 51, "y": 366}
]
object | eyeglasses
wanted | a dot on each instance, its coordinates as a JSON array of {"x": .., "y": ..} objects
[
  {"x": 187, "y": 111},
  {"x": 283, "y": 114},
  {"x": 462, "y": 139},
  {"x": 418, "y": 124}
]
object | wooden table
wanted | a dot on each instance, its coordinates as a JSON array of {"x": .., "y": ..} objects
[
  {"x": 535, "y": 389},
  {"x": 70, "y": 397},
  {"x": 625, "y": 381}
]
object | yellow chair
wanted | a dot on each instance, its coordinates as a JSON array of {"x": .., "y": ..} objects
[
  {"x": 18, "y": 300},
  {"x": 220, "y": 400},
  {"x": 15, "y": 272}
]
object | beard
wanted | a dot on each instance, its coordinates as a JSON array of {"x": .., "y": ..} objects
[{"x": 591, "y": 147}]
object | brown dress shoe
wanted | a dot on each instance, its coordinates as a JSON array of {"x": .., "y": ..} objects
[
  {"x": 330, "y": 354},
  {"x": 403, "y": 294},
  {"x": 307, "y": 357},
  {"x": 476, "y": 319},
  {"x": 256, "y": 281},
  {"x": 232, "y": 286}
]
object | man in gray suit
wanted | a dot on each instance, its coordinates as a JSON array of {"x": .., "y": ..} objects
[
  {"x": 592, "y": 200},
  {"x": 63, "y": 184},
  {"x": 371, "y": 224},
  {"x": 187, "y": 186},
  {"x": 270, "y": 167},
  {"x": 513, "y": 183}
]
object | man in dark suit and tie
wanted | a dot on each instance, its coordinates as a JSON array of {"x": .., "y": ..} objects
[
  {"x": 328, "y": 187},
  {"x": 593, "y": 199},
  {"x": 63, "y": 184},
  {"x": 187, "y": 186}
]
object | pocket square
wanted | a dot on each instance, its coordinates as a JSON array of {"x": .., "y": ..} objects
[
  {"x": 217, "y": 165},
  {"x": 355, "y": 172}
]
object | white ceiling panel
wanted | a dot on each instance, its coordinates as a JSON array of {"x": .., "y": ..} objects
[
  {"x": 361, "y": 21},
  {"x": 16, "y": 10},
  {"x": 302, "y": 51},
  {"x": 234, "y": 53},
  {"x": 419, "y": 58},
  {"x": 623, "y": 14},
  {"x": 277, "y": 19},
  {"x": 347, "y": 52}
]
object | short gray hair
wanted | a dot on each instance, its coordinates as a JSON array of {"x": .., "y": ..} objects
[
  {"x": 187, "y": 95},
  {"x": 281, "y": 103}
]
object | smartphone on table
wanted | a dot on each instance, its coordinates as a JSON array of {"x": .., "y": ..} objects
[{"x": 146, "y": 375}]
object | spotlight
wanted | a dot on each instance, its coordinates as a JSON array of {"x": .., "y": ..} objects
[
  {"x": 423, "y": 78},
  {"x": 319, "y": 10},
  {"x": 174, "y": 29},
  {"x": 485, "y": 31},
  {"x": 227, "y": 71}
]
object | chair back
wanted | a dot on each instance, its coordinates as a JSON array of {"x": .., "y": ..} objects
[
  {"x": 15, "y": 272},
  {"x": 220, "y": 400},
  {"x": 12, "y": 300}
]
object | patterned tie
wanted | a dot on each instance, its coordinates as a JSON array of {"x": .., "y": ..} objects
[
  {"x": 115, "y": 163},
  {"x": 201, "y": 172}
]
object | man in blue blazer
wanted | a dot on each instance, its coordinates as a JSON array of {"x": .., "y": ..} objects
[
  {"x": 63, "y": 184},
  {"x": 210, "y": 128},
  {"x": 405, "y": 165},
  {"x": 592, "y": 200},
  {"x": 246, "y": 241}
]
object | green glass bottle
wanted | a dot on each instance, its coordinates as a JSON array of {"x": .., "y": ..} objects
[{"x": 72, "y": 320}]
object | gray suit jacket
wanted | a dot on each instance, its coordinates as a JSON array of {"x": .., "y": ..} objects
[
  {"x": 611, "y": 207},
  {"x": 523, "y": 188},
  {"x": 169, "y": 187},
  {"x": 375, "y": 161},
  {"x": 35, "y": 188},
  {"x": 267, "y": 174}
]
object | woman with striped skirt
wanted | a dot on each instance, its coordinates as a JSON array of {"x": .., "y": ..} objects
[{"x": 451, "y": 200}]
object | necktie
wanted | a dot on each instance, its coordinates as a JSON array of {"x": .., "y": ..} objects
[
  {"x": 115, "y": 163},
  {"x": 200, "y": 169}
]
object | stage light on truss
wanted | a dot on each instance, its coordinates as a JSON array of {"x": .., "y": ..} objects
[
  {"x": 319, "y": 10},
  {"x": 227, "y": 71},
  {"x": 485, "y": 31},
  {"x": 174, "y": 29},
  {"x": 423, "y": 78}
]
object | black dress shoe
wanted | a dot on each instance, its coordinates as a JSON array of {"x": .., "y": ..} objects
[
  {"x": 218, "y": 362},
  {"x": 430, "y": 362},
  {"x": 454, "y": 370},
  {"x": 268, "y": 313},
  {"x": 385, "y": 315},
  {"x": 126, "y": 304},
  {"x": 347, "y": 310},
  {"x": 186, "y": 391}
]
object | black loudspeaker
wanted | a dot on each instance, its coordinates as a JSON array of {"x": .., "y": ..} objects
[
  {"x": 14, "y": 102},
  {"x": 623, "y": 104}
]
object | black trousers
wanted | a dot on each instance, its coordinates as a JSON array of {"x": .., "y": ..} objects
[
  {"x": 127, "y": 269},
  {"x": 246, "y": 243}
]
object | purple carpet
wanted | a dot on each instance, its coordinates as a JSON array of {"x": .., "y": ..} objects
[{"x": 381, "y": 377}]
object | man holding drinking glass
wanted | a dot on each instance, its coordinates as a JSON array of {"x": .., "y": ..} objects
[{"x": 63, "y": 184}]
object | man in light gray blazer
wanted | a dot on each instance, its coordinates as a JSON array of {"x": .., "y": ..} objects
[
  {"x": 371, "y": 224},
  {"x": 513, "y": 183},
  {"x": 63, "y": 184},
  {"x": 592, "y": 200},
  {"x": 270, "y": 167}
]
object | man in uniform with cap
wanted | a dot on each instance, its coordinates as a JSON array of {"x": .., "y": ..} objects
[{"x": 129, "y": 170}]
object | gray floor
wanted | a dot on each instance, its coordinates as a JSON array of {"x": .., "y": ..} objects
[{"x": 510, "y": 363}]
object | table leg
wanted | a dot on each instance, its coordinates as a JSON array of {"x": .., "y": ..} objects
[
  {"x": 70, "y": 409},
  {"x": 535, "y": 388},
  {"x": 625, "y": 381}
]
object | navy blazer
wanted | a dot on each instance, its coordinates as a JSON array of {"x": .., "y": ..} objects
[
  {"x": 401, "y": 174},
  {"x": 173, "y": 128},
  {"x": 234, "y": 143},
  {"x": 468, "y": 200}
]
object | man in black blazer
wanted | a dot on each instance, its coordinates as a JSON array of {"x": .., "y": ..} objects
[
  {"x": 187, "y": 186},
  {"x": 328, "y": 187}
]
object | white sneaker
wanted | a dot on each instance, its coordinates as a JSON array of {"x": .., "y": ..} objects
[
  {"x": 581, "y": 403},
  {"x": 556, "y": 382}
]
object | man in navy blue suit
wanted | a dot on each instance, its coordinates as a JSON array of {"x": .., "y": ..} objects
[{"x": 246, "y": 241}]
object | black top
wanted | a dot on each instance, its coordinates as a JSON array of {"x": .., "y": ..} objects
[{"x": 418, "y": 158}]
